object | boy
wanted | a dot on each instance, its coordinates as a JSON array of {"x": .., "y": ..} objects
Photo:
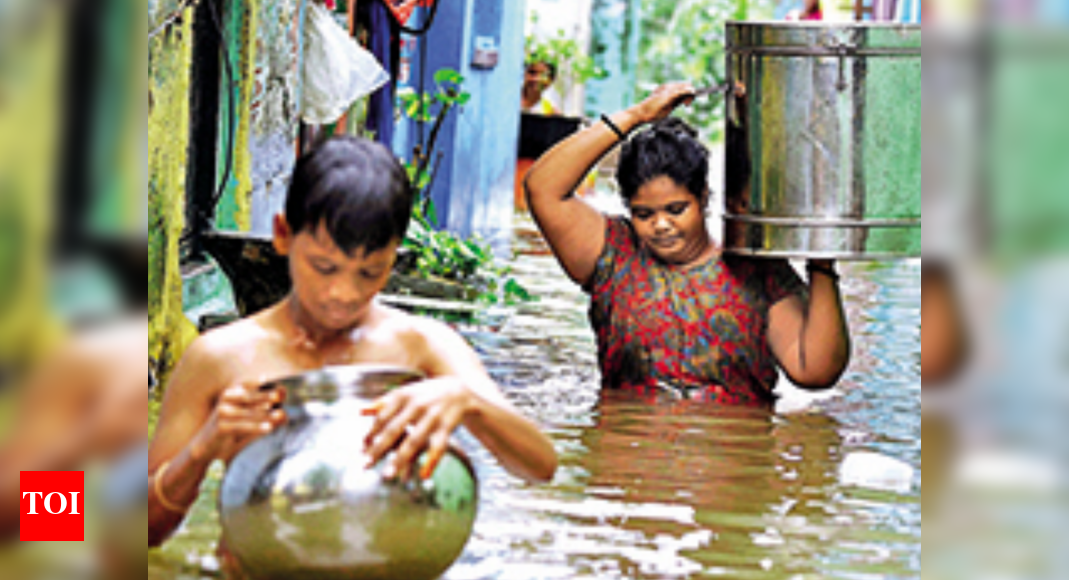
[{"x": 346, "y": 213}]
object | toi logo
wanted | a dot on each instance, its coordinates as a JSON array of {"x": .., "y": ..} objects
[{"x": 52, "y": 506}]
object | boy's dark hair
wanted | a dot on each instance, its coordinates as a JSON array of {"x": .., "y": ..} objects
[
  {"x": 356, "y": 188},
  {"x": 668, "y": 148}
]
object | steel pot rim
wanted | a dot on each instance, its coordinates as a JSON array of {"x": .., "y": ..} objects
[{"x": 334, "y": 382}]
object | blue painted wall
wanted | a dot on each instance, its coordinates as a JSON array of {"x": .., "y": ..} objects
[
  {"x": 473, "y": 187},
  {"x": 615, "y": 30}
]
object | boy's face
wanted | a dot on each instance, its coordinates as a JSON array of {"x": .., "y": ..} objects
[{"x": 334, "y": 288}]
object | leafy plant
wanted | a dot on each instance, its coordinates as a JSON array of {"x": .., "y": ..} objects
[
  {"x": 427, "y": 108},
  {"x": 574, "y": 66},
  {"x": 684, "y": 41},
  {"x": 444, "y": 255}
]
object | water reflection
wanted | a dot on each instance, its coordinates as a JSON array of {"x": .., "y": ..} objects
[{"x": 676, "y": 487}]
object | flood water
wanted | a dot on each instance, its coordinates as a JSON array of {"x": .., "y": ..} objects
[{"x": 676, "y": 489}]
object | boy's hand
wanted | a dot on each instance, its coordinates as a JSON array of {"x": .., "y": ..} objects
[
  {"x": 242, "y": 414},
  {"x": 419, "y": 417}
]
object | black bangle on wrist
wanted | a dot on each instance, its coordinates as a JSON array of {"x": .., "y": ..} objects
[
  {"x": 826, "y": 270},
  {"x": 608, "y": 122}
]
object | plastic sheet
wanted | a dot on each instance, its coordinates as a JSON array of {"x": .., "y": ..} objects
[{"x": 337, "y": 70}]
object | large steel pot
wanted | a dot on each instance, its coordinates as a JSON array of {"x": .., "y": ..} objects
[
  {"x": 299, "y": 502},
  {"x": 824, "y": 143}
]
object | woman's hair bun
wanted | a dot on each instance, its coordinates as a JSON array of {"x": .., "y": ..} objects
[{"x": 676, "y": 127}]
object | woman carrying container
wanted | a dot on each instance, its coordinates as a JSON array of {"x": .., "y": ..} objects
[{"x": 670, "y": 311}]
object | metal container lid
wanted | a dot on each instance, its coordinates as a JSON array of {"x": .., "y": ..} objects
[{"x": 333, "y": 383}]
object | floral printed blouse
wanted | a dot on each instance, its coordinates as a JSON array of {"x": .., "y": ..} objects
[{"x": 699, "y": 333}]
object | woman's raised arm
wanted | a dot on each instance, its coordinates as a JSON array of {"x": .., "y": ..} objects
[{"x": 576, "y": 231}]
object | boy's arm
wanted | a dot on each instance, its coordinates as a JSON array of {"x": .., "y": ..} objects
[
  {"x": 182, "y": 414},
  {"x": 459, "y": 392},
  {"x": 199, "y": 422},
  {"x": 48, "y": 434}
]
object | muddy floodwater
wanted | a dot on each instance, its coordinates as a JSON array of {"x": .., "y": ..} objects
[{"x": 822, "y": 488}]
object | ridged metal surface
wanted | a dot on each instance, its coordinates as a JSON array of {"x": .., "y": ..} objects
[{"x": 824, "y": 146}]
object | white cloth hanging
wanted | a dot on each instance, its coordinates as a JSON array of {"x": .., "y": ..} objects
[{"x": 337, "y": 70}]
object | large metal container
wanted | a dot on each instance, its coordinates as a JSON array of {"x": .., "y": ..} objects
[
  {"x": 300, "y": 503},
  {"x": 823, "y": 140}
]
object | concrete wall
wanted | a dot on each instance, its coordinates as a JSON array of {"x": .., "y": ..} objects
[
  {"x": 473, "y": 184},
  {"x": 168, "y": 139}
]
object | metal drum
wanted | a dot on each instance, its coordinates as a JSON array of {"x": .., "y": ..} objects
[
  {"x": 299, "y": 502},
  {"x": 823, "y": 140}
]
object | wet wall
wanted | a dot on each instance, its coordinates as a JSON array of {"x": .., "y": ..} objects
[{"x": 170, "y": 56}]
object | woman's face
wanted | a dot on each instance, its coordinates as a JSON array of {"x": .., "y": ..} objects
[{"x": 670, "y": 221}]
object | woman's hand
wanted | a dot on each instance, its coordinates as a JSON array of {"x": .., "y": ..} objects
[
  {"x": 664, "y": 100},
  {"x": 824, "y": 266},
  {"x": 825, "y": 263},
  {"x": 419, "y": 417},
  {"x": 242, "y": 414}
]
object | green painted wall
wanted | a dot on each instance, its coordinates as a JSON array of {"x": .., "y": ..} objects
[
  {"x": 240, "y": 24},
  {"x": 30, "y": 84},
  {"x": 168, "y": 130}
]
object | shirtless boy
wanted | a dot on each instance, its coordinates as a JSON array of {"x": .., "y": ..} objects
[{"x": 346, "y": 213}]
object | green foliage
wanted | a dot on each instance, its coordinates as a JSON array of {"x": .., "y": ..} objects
[
  {"x": 445, "y": 255},
  {"x": 431, "y": 108},
  {"x": 573, "y": 64},
  {"x": 683, "y": 40},
  {"x": 426, "y": 251},
  {"x": 426, "y": 107}
]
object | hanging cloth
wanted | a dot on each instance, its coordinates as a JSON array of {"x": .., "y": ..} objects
[
  {"x": 337, "y": 70},
  {"x": 384, "y": 43}
]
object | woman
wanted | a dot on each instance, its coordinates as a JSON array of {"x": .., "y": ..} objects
[{"x": 669, "y": 310}]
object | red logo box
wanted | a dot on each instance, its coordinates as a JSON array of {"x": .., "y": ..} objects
[{"x": 52, "y": 506}]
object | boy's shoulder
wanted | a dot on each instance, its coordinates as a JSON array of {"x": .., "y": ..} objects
[
  {"x": 226, "y": 350},
  {"x": 236, "y": 336},
  {"x": 408, "y": 325},
  {"x": 414, "y": 330}
]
